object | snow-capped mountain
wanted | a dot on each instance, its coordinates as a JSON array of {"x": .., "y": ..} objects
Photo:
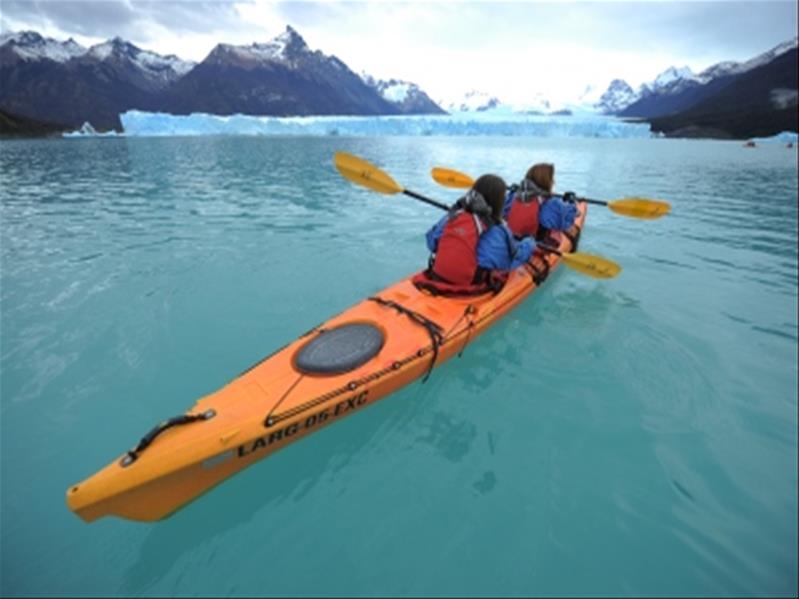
[
  {"x": 66, "y": 84},
  {"x": 151, "y": 69},
  {"x": 535, "y": 102},
  {"x": 281, "y": 77},
  {"x": 473, "y": 101},
  {"x": 715, "y": 71},
  {"x": 287, "y": 49},
  {"x": 30, "y": 46},
  {"x": 671, "y": 81},
  {"x": 729, "y": 67},
  {"x": 759, "y": 102},
  {"x": 670, "y": 76},
  {"x": 616, "y": 98},
  {"x": 530, "y": 102},
  {"x": 678, "y": 88},
  {"x": 406, "y": 96},
  {"x": 162, "y": 69}
]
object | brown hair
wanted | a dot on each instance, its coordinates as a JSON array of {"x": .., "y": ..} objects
[
  {"x": 542, "y": 174},
  {"x": 493, "y": 189}
]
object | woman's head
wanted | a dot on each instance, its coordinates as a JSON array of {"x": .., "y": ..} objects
[
  {"x": 543, "y": 175},
  {"x": 493, "y": 189}
]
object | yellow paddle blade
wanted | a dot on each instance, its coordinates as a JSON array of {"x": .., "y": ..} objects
[
  {"x": 640, "y": 208},
  {"x": 450, "y": 178},
  {"x": 593, "y": 266},
  {"x": 361, "y": 172}
]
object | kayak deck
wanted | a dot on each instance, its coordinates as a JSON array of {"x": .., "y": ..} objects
[{"x": 274, "y": 403}]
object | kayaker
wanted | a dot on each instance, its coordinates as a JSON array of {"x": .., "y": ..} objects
[
  {"x": 473, "y": 249},
  {"x": 531, "y": 210}
]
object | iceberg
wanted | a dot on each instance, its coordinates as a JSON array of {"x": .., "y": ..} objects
[
  {"x": 138, "y": 123},
  {"x": 87, "y": 130},
  {"x": 784, "y": 137}
]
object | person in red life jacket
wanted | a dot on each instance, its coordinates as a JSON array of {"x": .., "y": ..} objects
[
  {"x": 473, "y": 249},
  {"x": 532, "y": 210}
]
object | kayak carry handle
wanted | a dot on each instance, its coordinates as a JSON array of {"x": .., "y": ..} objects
[{"x": 133, "y": 455}]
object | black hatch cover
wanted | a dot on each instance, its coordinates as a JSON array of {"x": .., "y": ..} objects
[{"x": 339, "y": 350}]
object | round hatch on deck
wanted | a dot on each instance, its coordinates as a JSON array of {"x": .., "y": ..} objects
[{"x": 340, "y": 350}]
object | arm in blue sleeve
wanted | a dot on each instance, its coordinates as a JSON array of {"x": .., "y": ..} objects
[
  {"x": 524, "y": 249},
  {"x": 434, "y": 234},
  {"x": 557, "y": 215},
  {"x": 498, "y": 250}
]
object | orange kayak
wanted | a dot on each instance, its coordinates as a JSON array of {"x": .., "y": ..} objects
[{"x": 336, "y": 369}]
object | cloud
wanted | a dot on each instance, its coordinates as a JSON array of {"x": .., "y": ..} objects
[{"x": 136, "y": 20}]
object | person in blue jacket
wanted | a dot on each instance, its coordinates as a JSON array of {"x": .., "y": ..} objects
[
  {"x": 473, "y": 247},
  {"x": 532, "y": 209}
]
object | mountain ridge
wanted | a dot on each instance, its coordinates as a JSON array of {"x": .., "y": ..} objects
[{"x": 64, "y": 83}]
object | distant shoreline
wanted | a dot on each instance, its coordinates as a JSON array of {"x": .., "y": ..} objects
[{"x": 17, "y": 127}]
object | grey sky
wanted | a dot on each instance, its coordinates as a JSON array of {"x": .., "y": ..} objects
[
  {"x": 131, "y": 19},
  {"x": 447, "y": 47}
]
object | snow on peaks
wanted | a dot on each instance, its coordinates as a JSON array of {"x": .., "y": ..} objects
[
  {"x": 150, "y": 61},
  {"x": 764, "y": 58},
  {"x": 396, "y": 91},
  {"x": 717, "y": 70},
  {"x": 474, "y": 101},
  {"x": 116, "y": 47},
  {"x": 730, "y": 67},
  {"x": 671, "y": 75},
  {"x": 618, "y": 96},
  {"x": 161, "y": 67},
  {"x": 280, "y": 49},
  {"x": 393, "y": 90},
  {"x": 29, "y": 45}
]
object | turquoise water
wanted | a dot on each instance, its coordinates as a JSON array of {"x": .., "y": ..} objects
[{"x": 636, "y": 436}]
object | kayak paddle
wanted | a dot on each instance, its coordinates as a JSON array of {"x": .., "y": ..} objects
[
  {"x": 641, "y": 208},
  {"x": 366, "y": 174}
]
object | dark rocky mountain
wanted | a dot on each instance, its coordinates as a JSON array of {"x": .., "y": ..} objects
[
  {"x": 621, "y": 100},
  {"x": 407, "y": 97},
  {"x": 759, "y": 102},
  {"x": 679, "y": 90},
  {"x": 65, "y": 84},
  {"x": 668, "y": 102},
  {"x": 282, "y": 77}
]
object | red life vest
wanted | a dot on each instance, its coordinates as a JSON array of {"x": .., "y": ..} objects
[
  {"x": 455, "y": 270},
  {"x": 523, "y": 215},
  {"x": 456, "y": 255}
]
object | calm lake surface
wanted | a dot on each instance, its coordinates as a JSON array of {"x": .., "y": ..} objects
[{"x": 634, "y": 436}]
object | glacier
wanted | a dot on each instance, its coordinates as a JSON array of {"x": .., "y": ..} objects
[
  {"x": 139, "y": 124},
  {"x": 791, "y": 137}
]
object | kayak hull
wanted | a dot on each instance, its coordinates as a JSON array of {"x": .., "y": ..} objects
[{"x": 273, "y": 404}]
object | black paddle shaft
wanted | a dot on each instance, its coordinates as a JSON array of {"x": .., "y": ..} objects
[{"x": 424, "y": 199}]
